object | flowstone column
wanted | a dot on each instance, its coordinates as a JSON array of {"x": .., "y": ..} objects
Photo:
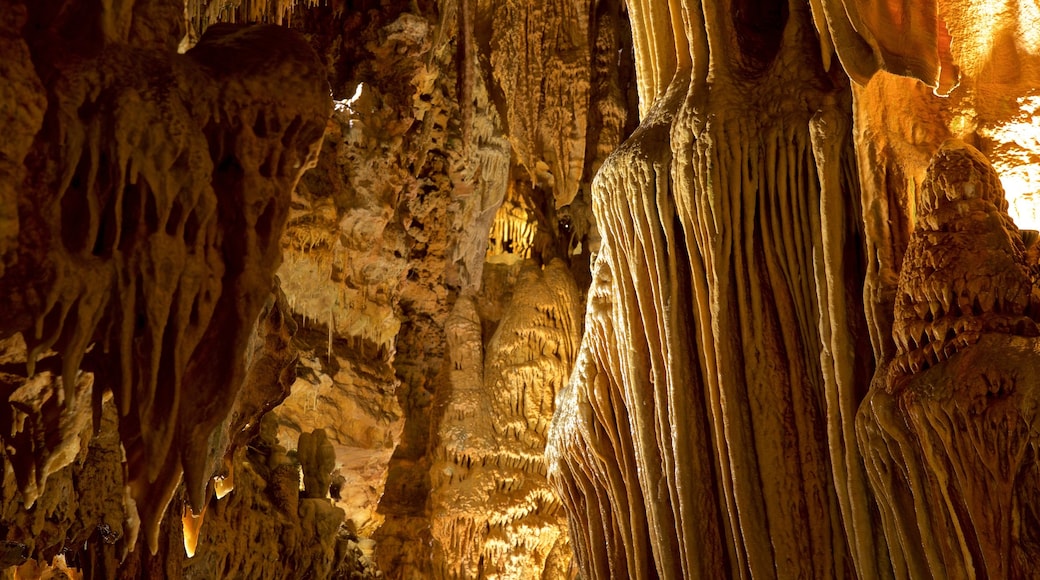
[{"x": 724, "y": 328}]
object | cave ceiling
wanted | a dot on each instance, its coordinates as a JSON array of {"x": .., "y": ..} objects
[{"x": 519, "y": 289}]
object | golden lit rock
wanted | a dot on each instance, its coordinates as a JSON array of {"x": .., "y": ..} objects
[
  {"x": 223, "y": 485},
  {"x": 494, "y": 514},
  {"x": 191, "y": 525},
  {"x": 957, "y": 403},
  {"x": 342, "y": 270},
  {"x": 708, "y": 425}
]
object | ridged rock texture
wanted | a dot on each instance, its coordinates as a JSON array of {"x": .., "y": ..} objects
[
  {"x": 765, "y": 226},
  {"x": 519, "y": 289},
  {"x": 722, "y": 323}
]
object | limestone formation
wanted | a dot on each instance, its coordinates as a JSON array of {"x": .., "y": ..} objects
[
  {"x": 765, "y": 285},
  {"x": 494, "y": 514},
  {"x": 317, "y": 460},
  {"x": 947, "y": 431},
  {"x": 519, "y": 289},
  {"x": 724, "y": 224},
  {"x": 22, "y": 106},
  {"x": 298, "y": 531},
  {"x": 150, "y": 228}
]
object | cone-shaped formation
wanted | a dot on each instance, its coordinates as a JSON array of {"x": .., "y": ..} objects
[
  {"x": 964, "y": 271},
  {"x": 949, "y": 431}
]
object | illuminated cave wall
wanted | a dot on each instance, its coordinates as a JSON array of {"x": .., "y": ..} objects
[
  {"x": 242, "y": 293},
  {"x": 789, "y": 364},
  {"x": 620, "y": 289}
]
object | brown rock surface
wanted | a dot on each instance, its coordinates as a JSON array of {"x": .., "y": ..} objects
[
  {"x": 947, "y": 431},
  {"x": 494, "y": 514},
  {"x": 379, "y": 366},
  {"x": 149, "y": 228}
]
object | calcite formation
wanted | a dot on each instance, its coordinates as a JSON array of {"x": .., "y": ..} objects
[
  {"x": 964, "y": 272},
  {"x": 947, "y": 431},
  {"x": 724, "y": 228},
  {"x": 299, "y": 530},
  {"x": 764, "y": 289},
  {"x": 494, "y": 514},
  {"x": 149, "y": 232},
  {"x": 796, "y": 231},
  {"x": 545, "y": 87},
  {"x": 23, "y": 104}
]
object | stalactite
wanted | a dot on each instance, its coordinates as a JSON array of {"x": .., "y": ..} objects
[
  {"x": 206, "y": 12},
  {"x": 830, "y": 135},
  {"x": 158, "y": 255},
  {"x": 545, "y": 85}
]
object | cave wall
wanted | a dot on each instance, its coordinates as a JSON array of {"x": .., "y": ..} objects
[
  {"x": 148, "y": 230},
  {"x": 442, "y": 156},
  {"x": 466, "y": 289}
]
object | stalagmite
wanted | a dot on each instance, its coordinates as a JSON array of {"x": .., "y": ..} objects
[
  {"x": 317, "y": 460},
  {"x": 494, "y": 515},
  {"x": 947, "y": 430}
]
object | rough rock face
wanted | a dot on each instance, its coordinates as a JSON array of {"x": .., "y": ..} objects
[
  {"x": 181, "y": 166},
  {"x": 380, "y": 365},
  {"x": 297, "y": 529},
  {"x": 494, "y": 514},
  {"x": 149, "y": 228},
  {"x": 947, "y": 430},
  {"x": 344, "y": 264},
  {"x": 23, "y": 103}
]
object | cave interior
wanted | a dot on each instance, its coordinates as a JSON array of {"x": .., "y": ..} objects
[{"x": 519, "y": 289}]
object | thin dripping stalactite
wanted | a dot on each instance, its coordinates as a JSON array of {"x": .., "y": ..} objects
[
  {"x": 466, "y": 67},
  {"x": 201, "y": 13}
]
